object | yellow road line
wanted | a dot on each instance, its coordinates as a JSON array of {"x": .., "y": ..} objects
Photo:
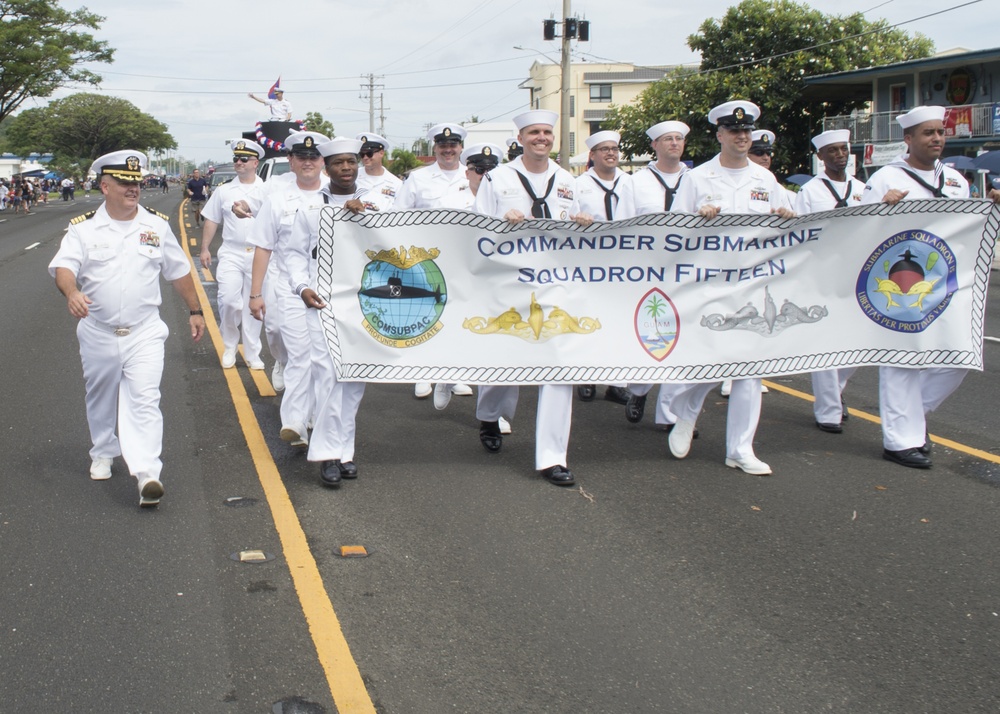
[
  {"x": 342, "y": 674},
  {"x": 259, "y": 378},
  {"x": 970, "y": 450}
]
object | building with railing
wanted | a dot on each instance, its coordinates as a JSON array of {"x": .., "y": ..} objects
[{"x": 966, "y": 82}]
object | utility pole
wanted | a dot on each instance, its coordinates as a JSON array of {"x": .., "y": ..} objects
[
  {"x": 572, "y": 29},
  {"x": 381, "y": 114},
  {"x": 370, "y": 88}
]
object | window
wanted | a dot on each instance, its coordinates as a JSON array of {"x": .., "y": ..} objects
[
  {"x": 600, "y": 93},
  {"x": 572, "y": 106},
  {"x": 897, "y": 97},
  {"x": 572, "y": 143}
]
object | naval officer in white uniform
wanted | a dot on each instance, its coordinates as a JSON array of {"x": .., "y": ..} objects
[
  {"x": 428, "y": 188},
  {"x": 270, "y": 233},
  {"x": 653, "y": 190},
  {"x": 831, "y": 188},
  {"x": 604, "y": 191},
  {"x": 373, "y": 175},
  {"x": 531, "y": 186},
  {"x": 108, "y": 267},
  {"x": 907, "y": 395},
  {"x": 235, "y": 268},
  {"x": 728, "y": 183}
]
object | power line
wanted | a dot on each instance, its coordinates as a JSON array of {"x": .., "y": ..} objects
[
  {"x": 811, "y": 47},
  {"x": 230, "y": 80},
  {"x": 308, "y": 91}
]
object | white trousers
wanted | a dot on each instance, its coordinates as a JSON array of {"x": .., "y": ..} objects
[
  {"x": 664, "y": 414},
  {"x": 299, "y": 399},
  {"x": 552, "y": 422},
  {"x": 741, "y": 418},
  {"x": 272, "y": 316},
  {"x": 337, "y": 402},
  {"x": 233, "y": 275},
  {"x": 827, "y": 388},
  {"x": 122, "y": 376},
  {"x": 906, "y": 396}
]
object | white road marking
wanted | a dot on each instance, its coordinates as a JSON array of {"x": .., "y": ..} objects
[
  {"x": 992, "y": 339},
  {"x": 35, "y": 245}
]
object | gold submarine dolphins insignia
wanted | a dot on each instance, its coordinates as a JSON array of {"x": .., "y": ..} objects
[{"x": 539, "y": 327}]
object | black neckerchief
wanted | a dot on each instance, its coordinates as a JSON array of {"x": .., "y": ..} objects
[
  {"x": 539, "y": 208},
  {"x": 608, "y": 193},
  {"x": 668, "y": 195},
  {"x": 938, "y": 193},
  {"x": 841, "y": 202}
]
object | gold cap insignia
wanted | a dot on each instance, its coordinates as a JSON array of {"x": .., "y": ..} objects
[
  {"x": 364, "y": 139},
  {"x": 739, "y": 113},
  {"x": 447, "y": 131},
  {"x": 240, "y": 146},
  {"x": 487, "y": 151},
  {"x": 132, "y": 163},
  {"x": 308, "y": 142}
]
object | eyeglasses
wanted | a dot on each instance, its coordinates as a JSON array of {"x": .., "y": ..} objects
[
  {"x": 306, "y": 157},
  {"x": 761, "y": 152},
  {"x": 241, "y": 159},
  {"x": 607, "y": 150}
]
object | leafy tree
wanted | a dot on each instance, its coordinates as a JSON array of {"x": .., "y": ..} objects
[
  {"x": 82, "y": 127},
  {"x": 403, "y": 161},
  {"x": 316, "y": 122},
  {"x": 41, "y": 48},
  {"x": 762, "y": 51}
]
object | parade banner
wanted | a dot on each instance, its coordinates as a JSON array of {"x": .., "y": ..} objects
[
  {"x": 453, "y": 296},
  {"x": 882, "y": 154}
]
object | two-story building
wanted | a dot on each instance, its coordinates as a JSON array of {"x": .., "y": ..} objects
[
  {"x": 966, "y": 82},
  {"x": 593, "y": 89}
]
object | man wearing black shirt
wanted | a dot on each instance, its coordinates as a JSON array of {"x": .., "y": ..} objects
[{"x": 196, "y": 192}]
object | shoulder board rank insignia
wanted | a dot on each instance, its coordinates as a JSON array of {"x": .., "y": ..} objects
[
  {"x": 81, "y": 219},
  {"x": 164, "y": 216}
]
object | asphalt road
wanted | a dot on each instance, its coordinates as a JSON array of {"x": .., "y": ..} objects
[{"x": 842, "y": 583}]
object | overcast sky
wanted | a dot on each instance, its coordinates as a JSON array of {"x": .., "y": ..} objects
[{"x": 191, "y": 63}]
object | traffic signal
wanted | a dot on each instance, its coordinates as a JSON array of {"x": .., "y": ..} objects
[
  {"x": 570, "y": 28},
  {"x": 584, "y": 30},
  {"x": 549, "y": 29}
]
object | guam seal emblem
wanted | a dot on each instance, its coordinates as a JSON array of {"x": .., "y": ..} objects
[
  {"x": 908, "y": 281},
  {"x": 657, "y": 324},
  {"x": 402, "y": 296}
]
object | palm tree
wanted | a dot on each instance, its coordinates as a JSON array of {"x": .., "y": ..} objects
[{"x": 655, "y": 308}]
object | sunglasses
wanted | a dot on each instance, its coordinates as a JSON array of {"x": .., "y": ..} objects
[
  {"x": 241, "y": 159},
  {"x": 367, "y": 153},
  {"x": 479, "y": 169}
]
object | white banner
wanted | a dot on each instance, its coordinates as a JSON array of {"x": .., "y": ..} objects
[
  {"x": 452, "y": 296},
  {"x": 882, "y": 154}
]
